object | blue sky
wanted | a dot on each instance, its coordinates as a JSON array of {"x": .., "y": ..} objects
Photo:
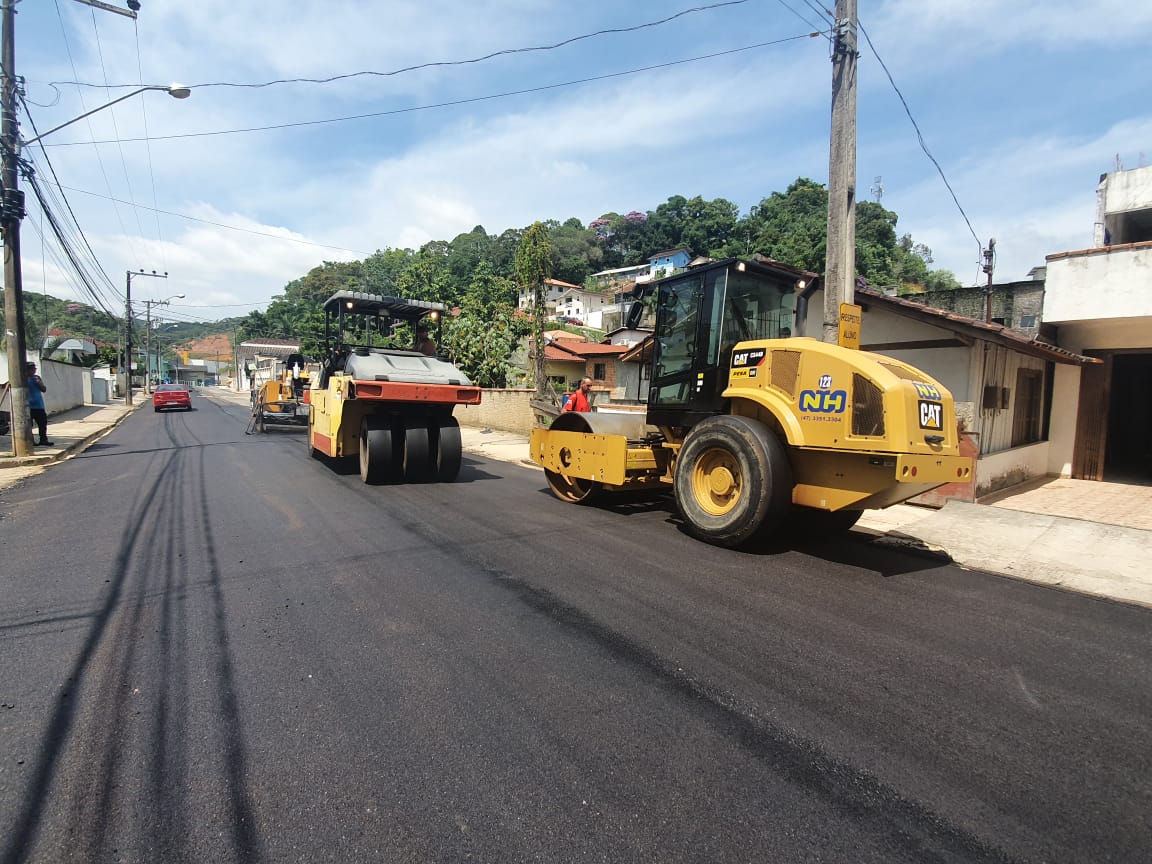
[{"x": 1023, "y": 104}]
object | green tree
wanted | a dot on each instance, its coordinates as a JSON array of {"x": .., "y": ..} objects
[
  {"x": 791, "y": 226},
  {"x": 533, "y": 266},
  {"x": 482, "y": 339},
  {"x": 426, "y": 278},
  {"x": 575, "y": 251},
  {"x": 382, "y": 268}
]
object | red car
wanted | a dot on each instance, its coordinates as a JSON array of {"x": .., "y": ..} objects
[{"x": 171, "y": 396}]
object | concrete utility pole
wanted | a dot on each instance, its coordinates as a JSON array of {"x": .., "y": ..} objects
[
  {"x": 128, "y": 330},
  {"x": 148, "y": 304},
  {"x": 989, "y": 266},
  {"x": 11, "y": 212},
  {"x": 840, "y": 263}
]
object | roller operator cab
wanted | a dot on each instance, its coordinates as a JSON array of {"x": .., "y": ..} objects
[
  {"x": 379, "y": 399},
  {"x": 755, "y": 431}
]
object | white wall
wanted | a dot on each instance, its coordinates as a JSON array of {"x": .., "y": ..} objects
[
  {"x": 1128, "y": 190},
  {"x": 65, "y": 383},
  {"x": 1099, "y": 284},
  {"x": 1062, "y": 432},
  {"x": 1009, "y": 467}
]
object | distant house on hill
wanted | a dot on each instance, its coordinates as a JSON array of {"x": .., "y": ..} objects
[
  {"x": 553, "y": 290},
  {"x": 619, "y": 279},
  {"x": 668, "y": 262}
]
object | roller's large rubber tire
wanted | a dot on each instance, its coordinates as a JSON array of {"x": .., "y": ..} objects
[
  {"x": 417, "y": 450},
  {"x": 733, "y": 480},
  {"x": 376, "y": 450},
  {"x": 449, "y": 451},
  {"x": 575, "y": 490}
]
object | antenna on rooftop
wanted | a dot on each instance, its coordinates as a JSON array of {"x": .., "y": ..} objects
[{"x": 877, "y": 188}]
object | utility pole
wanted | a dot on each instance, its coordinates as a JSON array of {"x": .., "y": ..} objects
[
  {"x": 11, "y": 212},
  {"x": 840, "y": 264},
  {"x": 128, "y": 331},
  {"x": 989, "y": 265}
]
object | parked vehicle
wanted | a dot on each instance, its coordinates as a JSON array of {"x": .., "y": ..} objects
[
  {"x": 167, "y": 396},
  {"x": 754, "y": 431}
]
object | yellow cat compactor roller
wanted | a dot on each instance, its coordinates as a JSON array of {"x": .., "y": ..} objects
[{"x": 751, "y": 430}]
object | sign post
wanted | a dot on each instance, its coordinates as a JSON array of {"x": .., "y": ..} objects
[{"x": 851, "y": 317}]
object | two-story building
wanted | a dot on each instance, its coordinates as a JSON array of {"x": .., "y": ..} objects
[
  {"x": 668, "y": 262},
  {"x": 1098, "y": 302},
  {"x": 585, "y": 306},
  {"x": 554, "y": 289}
]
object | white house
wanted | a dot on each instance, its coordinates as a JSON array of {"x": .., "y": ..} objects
[
  {"x": 586, "y": 306},
  {"x": 1098, "y": 302},
  {"x": 553, "y": 290}
]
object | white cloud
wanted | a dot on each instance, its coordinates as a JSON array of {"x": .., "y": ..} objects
[{"x": 740, "y": 127}]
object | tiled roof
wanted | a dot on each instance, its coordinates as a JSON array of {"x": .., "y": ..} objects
[
  {"x": 667, "y": 252},
  {"x": 982, "y": 330},
  {"x": 1099, "y": 250},
  {"x": 596, "y": 349},
  {"x": 557, "y": 354}
]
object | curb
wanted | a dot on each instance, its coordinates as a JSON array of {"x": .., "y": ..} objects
[{"x": 66, "y": 452}]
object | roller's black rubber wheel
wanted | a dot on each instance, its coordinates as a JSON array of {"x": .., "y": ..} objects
[
  {"x": 376, "y": 450},
  {"x": 448, "y": 450},
  {"x": 417, "y": 450},
  {"x": 575, "y": 490},
  {"x": 733, "y": 480}
]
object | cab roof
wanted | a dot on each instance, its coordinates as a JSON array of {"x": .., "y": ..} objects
[{"x": 361, "y": 303}]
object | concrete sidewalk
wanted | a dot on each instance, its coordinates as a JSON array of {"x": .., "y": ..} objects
[{"x": 1094, "y": 538}]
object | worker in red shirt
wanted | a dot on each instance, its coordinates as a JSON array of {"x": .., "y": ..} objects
[{"x": 579, "y": 400}]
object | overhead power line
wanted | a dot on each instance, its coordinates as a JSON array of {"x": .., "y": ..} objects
[
  {"x": 470, "y": 100},
  {"x": 220, "y": 224},
  {"x": 442, "y": 63},
  {"x": 920, "y": 136}
]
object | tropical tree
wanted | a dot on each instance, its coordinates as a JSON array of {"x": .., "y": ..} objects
[
  {"x": 533, "y": 266},
  {"x": 381, "y": 269},
  {"x": 482, "y": 339},
  {"x": 575, "y": 251}
]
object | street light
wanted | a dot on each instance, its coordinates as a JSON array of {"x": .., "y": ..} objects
[
  {"x": 176, "y": 91},
  {"x": 148, "y": 304},
  {"x": 11, "y": 214}
]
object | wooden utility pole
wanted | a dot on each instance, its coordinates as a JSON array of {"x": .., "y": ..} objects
[{"x": 840, "y": 262}]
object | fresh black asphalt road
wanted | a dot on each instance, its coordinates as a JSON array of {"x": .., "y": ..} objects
[{"x": 216, "y": 649}]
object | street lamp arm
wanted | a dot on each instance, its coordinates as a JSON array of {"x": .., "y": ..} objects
[{"x": 176, "y": 91}]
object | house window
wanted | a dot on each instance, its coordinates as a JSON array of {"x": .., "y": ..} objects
[
  {"x": 1029, "y": 398},
  {"x": 599, "y": 371}
]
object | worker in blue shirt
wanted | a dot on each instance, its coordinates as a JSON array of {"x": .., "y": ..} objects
[{"x": 36, "y": 391}]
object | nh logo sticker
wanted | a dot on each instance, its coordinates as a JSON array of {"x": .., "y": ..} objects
[{"x": 824, "y": 401}]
